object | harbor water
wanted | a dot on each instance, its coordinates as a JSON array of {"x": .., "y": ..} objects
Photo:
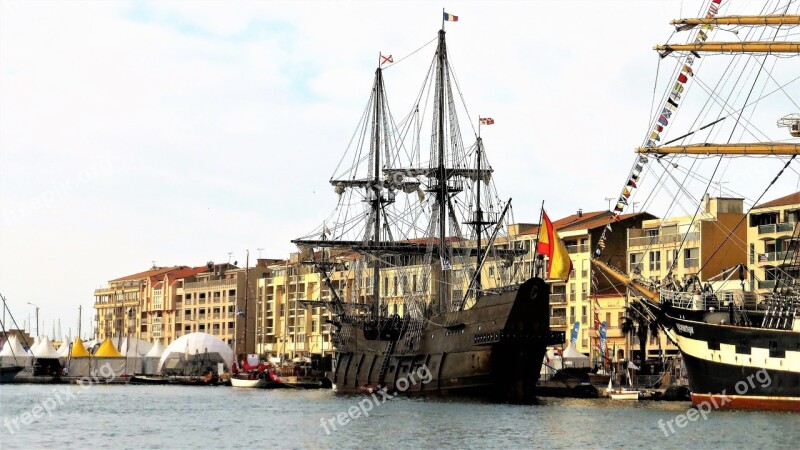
[{"x": 177, "y": 417}]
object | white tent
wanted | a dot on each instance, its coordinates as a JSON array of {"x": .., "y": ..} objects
[
  {"x": 33, "y": 346},
  {"x": 195, "y": 353},
  {"x": 574, "y": 358},
  {"x": 13, "y": 354},
  {"x": 132, "y": 346},
  {"x": 63, "y": 351},
  {"x": 152, "y": 358},
  {"x": 45, "y": 350}
]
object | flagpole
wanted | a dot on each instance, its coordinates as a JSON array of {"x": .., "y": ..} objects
[
  {"x": 442, "y": 18},
  {"x": 536, "y": 243}
]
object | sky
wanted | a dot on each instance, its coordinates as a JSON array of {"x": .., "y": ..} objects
[{"x": 176, "y": 133}]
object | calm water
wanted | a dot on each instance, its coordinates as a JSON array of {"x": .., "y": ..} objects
[{"x": 177, "y": 417}]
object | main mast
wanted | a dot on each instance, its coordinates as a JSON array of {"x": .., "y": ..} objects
[{"x": 441, "y": 173}]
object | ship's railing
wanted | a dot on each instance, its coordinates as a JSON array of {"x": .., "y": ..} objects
[{"x": 689, "y": 300}]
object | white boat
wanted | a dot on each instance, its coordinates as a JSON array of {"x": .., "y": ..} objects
[
  {"x": 258, "y": 383},
  {"x": 621, "y": 393}
]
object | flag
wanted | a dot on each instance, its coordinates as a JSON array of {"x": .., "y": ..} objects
[
  {"x": 626, "y": 192},
  {"x": 682, "y": 78},
  {"x": 450, "y": 18},
  {"x": 446, "y": 265},
  {"x": 386, "y": 59},
  {"x": 663, "y": 120},
  {"x": 631, "y": 183},
  {"x": 671, "y": 104},
  {"x": 487, "y": 121},
  {"x": 688, "y": 70},
  {"x": 559, "y": 265}
]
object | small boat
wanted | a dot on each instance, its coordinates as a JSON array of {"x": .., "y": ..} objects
[
  {"x": 7, "y": 373},
  {"x": 621, "y": 393},
  {"x": 258, "y": 383},
  {"x": 144, "y": 379}
]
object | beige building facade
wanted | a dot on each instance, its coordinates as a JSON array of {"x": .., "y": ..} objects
[{"x": 772, "y": 242}]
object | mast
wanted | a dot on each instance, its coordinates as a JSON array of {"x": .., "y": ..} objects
[
  {"x": 377, "y": 188},
  {"x": 441, "y": 174},
  {"x": 479, "y": 225},
  {"x": 246, "y": 289}
]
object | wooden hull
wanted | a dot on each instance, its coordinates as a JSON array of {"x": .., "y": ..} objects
[{"x": 495, "y": 348}]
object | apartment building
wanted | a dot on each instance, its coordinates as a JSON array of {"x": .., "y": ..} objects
[
  {"x": 772, "y": 242},
  {"x": 572, "y": 300}
]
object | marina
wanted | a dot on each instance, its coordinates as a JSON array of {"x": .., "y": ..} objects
[
  {"x": 180, "y": 417},
  {"x": 407, "y": 304}
]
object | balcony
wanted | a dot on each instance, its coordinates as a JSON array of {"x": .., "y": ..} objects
[
  {"x": 583, "y": 248},
  {"x": 647, "y": 241},
  {"x": 782, "y": 257},
  {"x": 558, "y": 321},
  {"x": 691, "y": 262},
  {"x": 210, "y": 285},
  {"x": 558, "y": 298},
  {"x": 786, "y": 227},
  {"x": 766, "y": 284}
]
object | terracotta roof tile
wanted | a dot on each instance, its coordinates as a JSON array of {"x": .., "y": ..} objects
[
  {"x": 148, "y": 273},
  {"x": 783, "y": 201}
]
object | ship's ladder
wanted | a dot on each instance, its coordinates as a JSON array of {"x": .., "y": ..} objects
[{"x": 386, "y": 356}]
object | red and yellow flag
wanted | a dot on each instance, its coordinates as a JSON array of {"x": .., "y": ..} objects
[{"x": 559, "y": 265}]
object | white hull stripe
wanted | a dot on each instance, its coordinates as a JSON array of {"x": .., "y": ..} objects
[{"x": 758, "y": 358}]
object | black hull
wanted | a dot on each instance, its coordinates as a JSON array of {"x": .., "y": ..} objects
[
  {"x": 7, "y": 373},
  {"x": 493, "y": 349},
  {"x": 735, "y": 366}
]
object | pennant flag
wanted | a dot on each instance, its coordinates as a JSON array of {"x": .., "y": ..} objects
[
  {"x": 635, "y": 177},
  {"x": 386, "y": 59},
  {"x": 677, "y": 88},
  {"x": 601, "y": 244},
  {"x": 675, "y": 96},
  {"x": 617, "y": 218},
  {"x": 638, "y": 167},
  {"x": 663, "y": 120},
  {"x": 666, "y": 112},
  {"x": 702, "y": 35},
  {"x": 450, "y": 18},
  {"x": 559, "y": 265},
  {"x": 687, "y": 70},
  {"x": 670, "y": 104},
  {"x": 487, "y": 121},
  {"x": 651, "y": 143},
  {"x": 623, "y": 200},
  {"x": 659, "y": 128},
  {"x": 626, "y": 192},
  {"x": 619, "y": 207},
  {"x": 690, "y": 60},
  {"x": 446, "y": 264},
  {"x": 643, "y": 159},
  {"x": 608, "y": 226},
  {"x": 654, "y": 136},
  {"x": 682, "y": 78},
  {"x": 631, "y": 183}
]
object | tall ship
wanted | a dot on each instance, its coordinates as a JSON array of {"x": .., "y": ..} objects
[
  {"x": 415, "y": 261},
  {"x": 729, "y": 79}
]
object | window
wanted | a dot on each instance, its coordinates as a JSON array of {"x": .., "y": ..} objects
[
  {"x": 655, "y": 261},
  {"x": 386, "y": 285},
  {"x": 572, "y": 312},
  {"x": 158, "y": 301},
  {"x": 691, "y": 257},
  {"x": 635, "y": 265},
  {"x": 491, "y": 271},
  {"x": 313, "y": 326},
  {"x": 414, "y": 282},
  {"x": 583, "y": 289},
  {"x": 572, "y": 291},
  {"x": 394, "y": 289}
]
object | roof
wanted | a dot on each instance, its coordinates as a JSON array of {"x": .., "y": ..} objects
[
  {"x": 790, "y": 199},
  {"x": 79, "y": 350},
  {"x": 573, "y": 220},
  {"x": 148, "y": 273},
  {"x": 107, "y": 350},
  {"x": 599, "y": 222}
]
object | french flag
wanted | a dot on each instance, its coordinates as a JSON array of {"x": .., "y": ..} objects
[{"x": 450, "y": 18}]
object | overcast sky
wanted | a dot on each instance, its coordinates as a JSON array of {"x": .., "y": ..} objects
[{"x": 177, "y": 132}]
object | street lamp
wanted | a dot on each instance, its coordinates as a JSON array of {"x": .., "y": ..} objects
[{"x": 37, "y": 317}]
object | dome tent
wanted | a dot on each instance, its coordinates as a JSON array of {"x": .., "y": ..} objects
[{"x": 195, "y": 353}]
